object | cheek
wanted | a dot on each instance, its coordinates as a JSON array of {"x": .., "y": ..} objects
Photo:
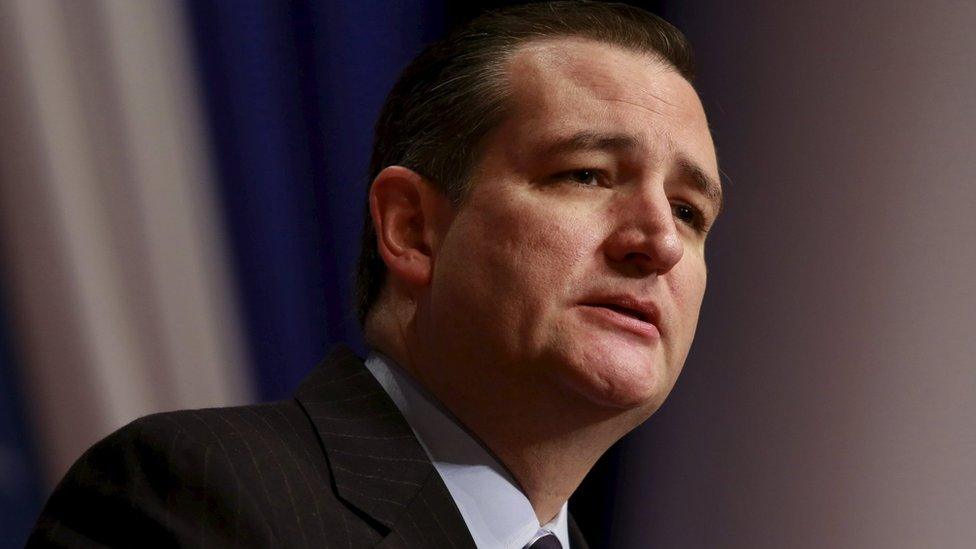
[
  {"x": 541, "y": 240},
  {"x": 687, "y": 287},
  {"x": 525, "y": 258}
]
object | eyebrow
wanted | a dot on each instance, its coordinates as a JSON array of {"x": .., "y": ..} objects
[
  {"x": 619, "y": 142},
  {"x": 706, "y": 184},
  {"x": 590, "y": 141}
]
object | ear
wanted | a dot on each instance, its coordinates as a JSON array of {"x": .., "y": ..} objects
[{"x": 408, "y": 216}]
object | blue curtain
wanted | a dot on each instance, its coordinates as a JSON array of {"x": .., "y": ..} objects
[
  {"x": 292, "y": 91},
  {"x": 20, "y": 491}
]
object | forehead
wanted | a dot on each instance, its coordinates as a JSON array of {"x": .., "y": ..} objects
[{"x": 564, "y": 86}]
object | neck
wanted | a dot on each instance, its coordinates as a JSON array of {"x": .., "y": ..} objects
[
  {"x": 549, "y": 442},
  {"x": 547, "y": 436},
  {"x": 548, "y": 470}
]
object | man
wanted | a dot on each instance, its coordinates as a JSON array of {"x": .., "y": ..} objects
[{"x": 543, "y": 184}]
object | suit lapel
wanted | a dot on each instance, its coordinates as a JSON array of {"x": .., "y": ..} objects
[
  {"x": 377, "y": 463},
  {"x": 576, "y": 539}
]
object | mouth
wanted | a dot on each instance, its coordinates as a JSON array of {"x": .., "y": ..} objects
[
  {"x": 632, "y": 313},
  {"x": 629, "y": 314}
]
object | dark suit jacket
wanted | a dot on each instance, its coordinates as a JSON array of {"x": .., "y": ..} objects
[{"x": 337, "y": 466}]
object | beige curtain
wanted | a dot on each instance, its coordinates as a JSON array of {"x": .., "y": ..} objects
[{"x": 121, "y": 297}]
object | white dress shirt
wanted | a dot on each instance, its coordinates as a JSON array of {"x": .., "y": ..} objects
[{"x": 497, "y": 513}]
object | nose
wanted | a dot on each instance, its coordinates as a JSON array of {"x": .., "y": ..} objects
[{"x": 645, "y": 238}]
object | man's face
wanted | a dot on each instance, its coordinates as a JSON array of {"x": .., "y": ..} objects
[{"x": 578, "y": 257}]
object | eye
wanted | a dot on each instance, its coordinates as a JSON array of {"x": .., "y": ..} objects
[
  {"x": 690, "y": 215},
  {"x": 583, "y": 177}
]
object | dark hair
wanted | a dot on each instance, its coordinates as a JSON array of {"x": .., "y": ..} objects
[{"x": 454, "y": 93}]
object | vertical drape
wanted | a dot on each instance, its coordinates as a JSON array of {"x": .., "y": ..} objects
[
  {"x": 20, "y": 487},
  {"x": 119, "y": 295},
  {"x": 292, "y": 91}
]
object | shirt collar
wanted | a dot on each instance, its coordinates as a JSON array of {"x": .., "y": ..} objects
[{"x": 497, "y": 513}]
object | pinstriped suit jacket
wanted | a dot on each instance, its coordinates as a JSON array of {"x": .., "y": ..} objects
[{"x": 337, "y": 466}]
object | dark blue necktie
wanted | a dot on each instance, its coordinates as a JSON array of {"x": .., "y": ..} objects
[{"x": 548, "y": 541}]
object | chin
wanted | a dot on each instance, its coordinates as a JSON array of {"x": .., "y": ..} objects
[{"x": 619, "y": 378}]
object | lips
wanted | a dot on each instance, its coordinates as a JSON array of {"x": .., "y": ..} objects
[
  {"x": 629, "y": 313},
  {"x": 633, "y": 313}
]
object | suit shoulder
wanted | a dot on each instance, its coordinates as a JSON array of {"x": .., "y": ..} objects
[
  {"x": 217, "y": 426},
  {"x": 258, "y": 445},
  {"x": 219, "y": 474}
]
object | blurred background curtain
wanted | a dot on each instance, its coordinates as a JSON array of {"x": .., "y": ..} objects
[
  {"x": 181, "y": 196},
  {"x": 119, "y": 298}
]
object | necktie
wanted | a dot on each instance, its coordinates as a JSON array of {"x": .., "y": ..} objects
[{"x": 548, "y": 541}]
